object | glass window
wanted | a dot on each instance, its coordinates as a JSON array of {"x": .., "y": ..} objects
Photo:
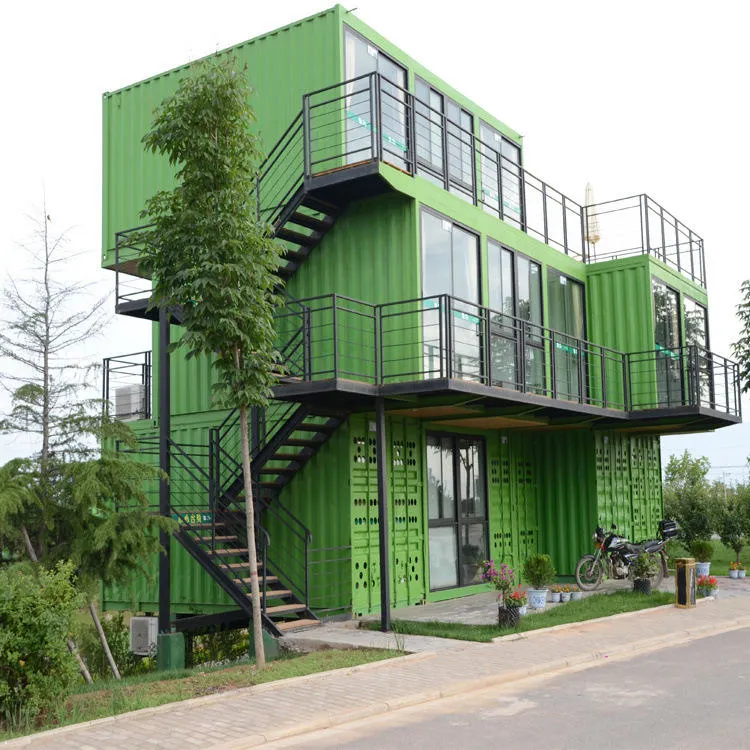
[
  {"x": 500, "y": 192},
  {"x": 428, "y": 109},
  {"x": 529, "y": 294},
  {"x": 567, "y": 315},
  {"x": 667, "y": 344},
  {"x": 503, "y": 327},
  {"x": 696, "y": 334}
]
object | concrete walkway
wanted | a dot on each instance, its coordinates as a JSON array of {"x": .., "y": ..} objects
[{"x": 253, "y": 716}]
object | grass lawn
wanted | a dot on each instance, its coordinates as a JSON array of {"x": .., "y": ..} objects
[
  {"x": 588, "y": 608},
  {"x": 719, "y": 562},
  {"x": 110, "y": 697}
]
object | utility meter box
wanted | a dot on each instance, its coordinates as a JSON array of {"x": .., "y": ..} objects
[
  {"x": 130, "y": 402},
  {"x": 143, "y": 632}
]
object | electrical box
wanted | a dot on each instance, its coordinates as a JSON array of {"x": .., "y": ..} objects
[
  {"x": 130, "y": 402},
  {"x": 143, "y": 632}
]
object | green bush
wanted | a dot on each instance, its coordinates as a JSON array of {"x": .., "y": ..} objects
[
  {"x": 118, "y": 637},
  {"x": 218, "y": 646},
  {"x": 539, "y": 571},
  {"x": 37, "y": 608},
  {"x": 702, "y": 550},
  {"x": 643, "y": 567}
]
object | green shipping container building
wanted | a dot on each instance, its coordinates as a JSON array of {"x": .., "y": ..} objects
[{"x": 476, "y": 365}]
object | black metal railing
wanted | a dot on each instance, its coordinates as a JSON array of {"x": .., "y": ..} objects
[
  {"x": 638, "y": 225},
  {"x": 444, "y": 337},
  {"x": 126, "y": 385}
]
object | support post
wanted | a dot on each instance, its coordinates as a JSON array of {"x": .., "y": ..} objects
[
  {"x": 385, "y": 574},
  {"x": 165, "y": 594}
]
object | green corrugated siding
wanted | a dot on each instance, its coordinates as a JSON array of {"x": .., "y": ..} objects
[{"x": 282, "y": 66}]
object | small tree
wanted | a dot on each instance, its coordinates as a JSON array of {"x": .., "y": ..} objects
[
  {"x": 734, "y": 519},
  {"x": 209, "y": 256},
  {"x": 741, "y": 348}
]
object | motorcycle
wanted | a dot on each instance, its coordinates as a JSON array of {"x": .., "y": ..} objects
[{"x": 615, "y": 554}]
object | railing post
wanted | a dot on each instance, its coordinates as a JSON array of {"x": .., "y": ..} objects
[
  {"x": 500, "y": 209},
  {"x": 522, "y": 358},
  {"x": 335, "y": 336},
  {"x": 579, "y": 368},
  {"x": 444, "y": 147},
  {"x": 307, "y": 571},
  {"x": 565, "y": 226},
  {"x": 378, "y": 343},
  {"x": 117, "y": 271},
  {"x": 626, "y": 395},
  {"x": 306, "y": 137},
  {"x": 411, "y": 120},
  {"x": 663, "y": 235},
  {"x": 147, "y": 384},
  {"x": 544, "y": 213},
  {"x": 553, "y": 364},
  {"x": 604, "y": 378},
  {"x": 474, "y": 175},
  {"x": 448, "y": 336},
  {"x": 372, "y": 96},
  {"x": 646, "y": 220},
  {"x": 306, "y": 343},
  {"x": 584, "y": 233}
]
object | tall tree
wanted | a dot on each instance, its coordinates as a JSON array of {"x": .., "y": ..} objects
[
  {"x": 210, "y": 257},
  {"x": 688, "y": 497},
  {"x": 741, "y": 347}
]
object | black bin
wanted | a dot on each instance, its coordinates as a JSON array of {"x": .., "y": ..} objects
[{"x": 684, "y": 582}]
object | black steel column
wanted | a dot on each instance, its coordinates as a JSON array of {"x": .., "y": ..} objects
[
  {"x": 165, "y": 594},
  {"x": 385, "y": 572}
]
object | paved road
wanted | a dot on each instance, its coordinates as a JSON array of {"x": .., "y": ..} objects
[{"x": 691, "y": 697}]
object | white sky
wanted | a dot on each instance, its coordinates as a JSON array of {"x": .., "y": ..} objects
[{"x": 633, "y": 97}]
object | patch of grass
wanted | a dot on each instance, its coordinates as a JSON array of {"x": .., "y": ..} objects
[
  {"x": 589, "y": 608},
  {"x": 719, "y": 562},
  {"x": 111, "y": 697}
]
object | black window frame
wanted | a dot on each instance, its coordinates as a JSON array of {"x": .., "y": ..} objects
[{"x": 520, "y": 222}]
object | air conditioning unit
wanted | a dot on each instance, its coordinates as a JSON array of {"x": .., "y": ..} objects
[
  {"x": 143, "y": 632},
  {"x": 130, "y": 402}
]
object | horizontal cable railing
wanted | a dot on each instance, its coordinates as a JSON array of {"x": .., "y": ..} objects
[
  {"x": 444, "y": 337},
  {"x": 126, "y": 385}
]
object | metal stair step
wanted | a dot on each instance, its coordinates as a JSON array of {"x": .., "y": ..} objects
[
  {"x": 288, "y": 457},
  {"x": 311, "y": 222},
  {"x": 299, "y": 442},
  {"x": 216, "y": 538},
  {"x": 198, "y": 526},
  {"x": 312, "y": 427},
  {"x": 272, "y": 484},
  {"x": 297, "y": 255},
  {"x": 294, "y": 624},
  {"x": 279, "y": 470},
  {"x": 303, "y": 240},
  {"x": 269, "y": 579},
  {"x": 277, "y": 593},
  {"x": 231, "y": 551},
  {"x": 318, "y": 204}
]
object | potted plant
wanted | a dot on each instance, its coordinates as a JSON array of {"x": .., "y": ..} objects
[
  {"x": 565, "y": 593},
  {"x": 641, "y": 570},
  {"x": 702, "y": 550},
  {"x": 734, "y": 569},
  {"x": 575, "y": 593},
  {"x": 540, "y": 573},
  {"x": 707, "y": 586},
  {"x": 502, "y": 577},
  {"x": 741, "y": 570},
  {"x": 518, "y": 599},
  {"x": 555, "y": 593}
]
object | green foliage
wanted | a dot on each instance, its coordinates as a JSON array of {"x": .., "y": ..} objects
[
  {"x": 702, "y": 550},
  {"x": 734, "y": 517},
  {"x": 688, "y": 497},
  {"x": 539, "y": 571},
  {"x": 741, "y": 348},
  {"x": 643, "y": 567},
  {"x": 37, "y": 607},
  {"x": 118, "y": 637},
  {"x": 207, "y": 252},
  {"x": 218, "y": 646}
]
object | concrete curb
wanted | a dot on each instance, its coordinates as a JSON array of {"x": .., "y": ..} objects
[
  {"x": 468, "y": 686},
  {"x": 265, "y": 687}
]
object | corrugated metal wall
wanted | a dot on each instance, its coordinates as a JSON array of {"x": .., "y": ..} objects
[{"x": 282, "y": 66}]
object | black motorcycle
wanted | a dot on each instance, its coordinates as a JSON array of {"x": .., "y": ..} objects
[{"x": 614, "y": 555}]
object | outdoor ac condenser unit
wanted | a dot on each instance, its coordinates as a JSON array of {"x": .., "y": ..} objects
[
  {"x": 130, "y": 402},
  {"x": 143, "y": 632}
]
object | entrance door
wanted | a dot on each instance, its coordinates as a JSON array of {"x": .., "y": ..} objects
[{"x": 457, "y": 510}]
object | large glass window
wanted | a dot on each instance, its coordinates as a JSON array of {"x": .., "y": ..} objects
[
  {"x": 450, "y": 265},
  {"x": 529, "y": 301},
  {"x": 567, "y": 314},
  {"x": 667, "y": 344},
  {"x": 457, "y": 510},
  {"x": 503, "y": 326},
  {"x": 696, "y": 335},
  {"x": 501, "y": 185},
  {"x": 362, "y": 58}
]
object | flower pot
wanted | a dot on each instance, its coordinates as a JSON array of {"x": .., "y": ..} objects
[
  {"x": 508, "y": 617},
  {"x": 642, "y": 585},
  {"x": 565, "y": 596},
  {"x": 741, "y": 573},
  {"x": 707, "y": 592},
  {"x": 522, "y": 610},
  {"x": 554, "y": 597},
  {"x": 734, "y": 573},
  {"x": 537, "y": 598},
  {"x": 702, "y": 569},
  {"x": 576, "y": 596}
]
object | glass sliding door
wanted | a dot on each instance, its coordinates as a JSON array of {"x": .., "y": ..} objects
[
  {"x": 529, "y": 301},
  {"x": 450, "y": 266},
  {"x": 457, "y": 510},
  {"x": 362, "y": 58},
  {"x": 567, "y": 314},
  {"x": 501, "y": 187},
  {"x": 696, "y": 335},
  {"x": 502, "y": 322},
  {"x": 669, "y": 386}
]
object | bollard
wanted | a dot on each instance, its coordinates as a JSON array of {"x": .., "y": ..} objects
[{"x": 685, "y": 582}]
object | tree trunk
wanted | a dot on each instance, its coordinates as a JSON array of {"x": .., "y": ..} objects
[
  {"x": 71, "y": 645},
  {"x": 260, "y": 656},
  {"x": 103, "y": 639}
]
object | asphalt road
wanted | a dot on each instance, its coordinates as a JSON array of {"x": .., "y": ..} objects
[{"x": 691, "y": 697}]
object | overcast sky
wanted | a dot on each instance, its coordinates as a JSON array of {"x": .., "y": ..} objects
[{"x": 633, "y": 97}]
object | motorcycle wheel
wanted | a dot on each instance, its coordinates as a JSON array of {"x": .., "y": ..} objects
[
  {"x": 589, "y": 573},
  {"x": 657, "y": 577}
]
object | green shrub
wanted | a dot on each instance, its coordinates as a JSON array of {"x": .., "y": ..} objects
[
  {"x": 702, "y": 550},
  {"x": 118, "y": 637},
  {"x": 643, "y": 567},
  {"x": 37, "y": 607},
  {"x": 218, "y": 646},
  {"x": 539, "y": 571}
]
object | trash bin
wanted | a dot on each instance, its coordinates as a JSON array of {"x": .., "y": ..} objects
[{"x": 685, "y": 582}]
